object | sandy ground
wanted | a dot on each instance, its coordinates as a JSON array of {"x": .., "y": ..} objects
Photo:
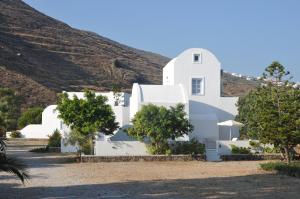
[{"x": 54, "y": 176}]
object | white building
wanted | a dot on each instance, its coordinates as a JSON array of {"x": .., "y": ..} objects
[{"x": 192, "y": 78}]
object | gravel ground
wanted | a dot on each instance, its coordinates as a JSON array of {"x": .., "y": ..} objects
[{"x": 55, "y": 176}]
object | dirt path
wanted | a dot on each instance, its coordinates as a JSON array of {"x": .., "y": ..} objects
[{"x": 53, "y": 176}]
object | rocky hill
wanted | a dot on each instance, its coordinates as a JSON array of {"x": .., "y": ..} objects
[{"x": 40, "y": 56}]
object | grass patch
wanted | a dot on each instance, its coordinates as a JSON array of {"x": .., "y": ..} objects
[{"x": 292, "y": 169}]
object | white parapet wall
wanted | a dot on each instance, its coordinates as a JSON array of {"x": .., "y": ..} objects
[
  {"x": 119, "y": 148},
  {"x": 35, "y": 131}
]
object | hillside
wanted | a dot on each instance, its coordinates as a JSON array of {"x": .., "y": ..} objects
[{"x": 40, "y": 56}]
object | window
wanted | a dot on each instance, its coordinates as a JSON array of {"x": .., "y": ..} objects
[
  {"x": 197, "y": 58},
  {"x": 197, "y": 86}
]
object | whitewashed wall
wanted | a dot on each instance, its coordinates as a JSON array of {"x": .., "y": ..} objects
[
  {"x": 224, "y": 148},
  {"x": 50, "y": 122},
  {"x": 119, "y": 148}
]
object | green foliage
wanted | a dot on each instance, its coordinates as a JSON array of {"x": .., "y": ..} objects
[
  {"x": 9, "y": 110},
  {"x": 15, "y": 134},
  {"x": 54, "y": 139},
  {"x": 271, "y": 113},
  {"x": 192, "y": 147},
  {"x": 117, "y": 94},
  {"x": 159, "y": 124},
  {"x": 292, "y": 169},
  {"x": 263, "y": 148},
  {"x": 267, "y": 149},
  {"x": 14, "y": 166},
  {"x": 239, "y": 150},
  {"x": 254, "y": 144},
  {"x": 31, "y": 116},
  {"x": 86, "y": 117},
  {"x": 40, "y": 150}
]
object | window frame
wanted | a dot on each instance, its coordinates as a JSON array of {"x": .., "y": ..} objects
[
  {"x": 202, "y": 86},
  {"x": 199, "y": 58}
]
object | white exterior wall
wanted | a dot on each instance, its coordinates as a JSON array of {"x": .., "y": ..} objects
[
  {"x": 116, "y": 148},
  {"x": 168, "y": 73},
  {"x": 224, "y": 148},
  {"x": 50, "y": 122},
  {"x": 122, "y": 114}
]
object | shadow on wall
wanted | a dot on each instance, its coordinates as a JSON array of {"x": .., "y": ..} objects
[
  {"x": 264, "y": 186},
  {"x": 196, "y": 107},
  {"x": 121, "y": 135}
]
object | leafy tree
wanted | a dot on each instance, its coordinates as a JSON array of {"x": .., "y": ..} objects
[
  {"x": 9, "y": 110},
  {"x": 159, "y": 124},
  {"x": 86, "y": 117},
  {"x": 30, "y": 116},
  {"x": 271, "y": 113}
]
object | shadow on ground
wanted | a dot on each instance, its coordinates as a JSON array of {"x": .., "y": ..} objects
[
  {"x": 252, "y": 186},
  {"x": 41, "y": 160}
]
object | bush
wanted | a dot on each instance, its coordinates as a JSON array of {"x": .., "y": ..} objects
[
  {"x": 30, "y": 116},
  {"x": 87, "y": 147},
  {"x": 192, "y": 147},
  {"x": 239, "y": 150},
  {"x": 292, "y": 169},
  {"x": 15, "y": 134},
  {"x": 54, "y": 139},
  {"x": 40, "y": 150}
]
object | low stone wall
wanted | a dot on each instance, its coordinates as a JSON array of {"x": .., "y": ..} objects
[
  {"x": 238, "y": 157},
  {"x": 92, "y": 158}
]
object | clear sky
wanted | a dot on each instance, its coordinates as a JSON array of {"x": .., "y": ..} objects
[{"x": 246, "y": 35}]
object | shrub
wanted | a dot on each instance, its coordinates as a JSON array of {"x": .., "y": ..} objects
[
  {"x": 87, "y": 147},
  {"x": 30, "y": 116},
  {"x": 40, "y": 150},
  {"x": 239, "y": 150},
  {"x": 55, "y": 139},
  {"x": 271, "y": 149},
  {"x": 192, "y": 147},
  {"x": 15, "y": 134},
  {"x": 292, "y": 169}
]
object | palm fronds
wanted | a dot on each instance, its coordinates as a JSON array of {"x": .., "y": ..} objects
[{"x": 14, "y": 166}]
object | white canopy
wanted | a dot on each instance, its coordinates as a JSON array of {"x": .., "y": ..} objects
[{"x": 230, "y": 123}]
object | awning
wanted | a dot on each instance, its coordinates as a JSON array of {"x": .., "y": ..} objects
[{"x": 230, "y": 123}]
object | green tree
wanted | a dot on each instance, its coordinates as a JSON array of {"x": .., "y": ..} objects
[
  {"x": 271, "y": 113},
  {"x": 30, "y": 116},
  {"x": 9, "y": 110},
  {"x": 86, "y": 117},
  {"x": 160, "y": 124}
]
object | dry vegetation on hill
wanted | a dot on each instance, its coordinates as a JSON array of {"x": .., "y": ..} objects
[{"x": 40, "y": 56}]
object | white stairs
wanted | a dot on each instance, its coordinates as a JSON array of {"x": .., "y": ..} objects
[{"x": 211, "y": 151}]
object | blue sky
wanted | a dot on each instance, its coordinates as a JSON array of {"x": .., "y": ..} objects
[{"x": 246, "y": 36}]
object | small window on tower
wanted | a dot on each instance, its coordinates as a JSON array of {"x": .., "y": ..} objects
[{"x": 197, "y": 58}]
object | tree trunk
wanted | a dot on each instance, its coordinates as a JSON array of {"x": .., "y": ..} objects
[{"x": 287, "y": 154}]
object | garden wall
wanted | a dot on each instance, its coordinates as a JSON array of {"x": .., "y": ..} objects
[
  {"x": 120, "y": 148},
  {"x": 92, "y": 158}
]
